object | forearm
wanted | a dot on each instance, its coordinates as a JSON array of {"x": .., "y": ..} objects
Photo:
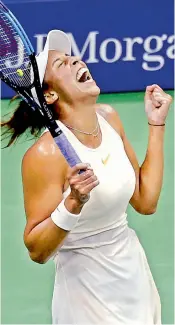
[
  {"x": 43, "y": 240},
  {"x": 151, "y": 171},
  {"x": 46, "y": 237}
]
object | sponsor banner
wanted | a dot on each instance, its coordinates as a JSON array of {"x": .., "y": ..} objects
[{"x": 125, "y": 44}]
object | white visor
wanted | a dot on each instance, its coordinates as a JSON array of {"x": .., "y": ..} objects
[{"x": 57, "y": 41}]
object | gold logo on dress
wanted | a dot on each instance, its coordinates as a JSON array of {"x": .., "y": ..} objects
[{"x": 104, "y": 161}]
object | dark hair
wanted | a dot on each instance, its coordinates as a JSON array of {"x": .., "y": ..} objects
[{"x": 23, "y": 119}]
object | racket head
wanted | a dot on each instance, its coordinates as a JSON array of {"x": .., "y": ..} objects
[
  {"x": 18, "y": 68},
  {"x": 15, "y": 52},
  {"x": 18, "y": 24}
]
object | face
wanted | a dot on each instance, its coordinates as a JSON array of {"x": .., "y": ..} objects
[{"x": 69, "y": 78}]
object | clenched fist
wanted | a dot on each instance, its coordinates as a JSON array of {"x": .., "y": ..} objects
[
  {"x": 81, "y": 184},
  {"x": 157, "y": 104}
]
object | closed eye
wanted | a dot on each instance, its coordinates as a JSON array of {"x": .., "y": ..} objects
[
  {"x": 55, "y": 61},
  {"x": 60, "y": 64},
  {"x": 59, "y": 59}
]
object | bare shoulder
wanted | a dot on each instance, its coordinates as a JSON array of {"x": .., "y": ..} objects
[
  {"x": 43, "y": 149},
  {"x": 111, "y": 116},
  {"x": 44, "y": 157}
]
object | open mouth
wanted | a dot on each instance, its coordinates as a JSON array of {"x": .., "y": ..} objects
[{"x": 83, "y": 75}]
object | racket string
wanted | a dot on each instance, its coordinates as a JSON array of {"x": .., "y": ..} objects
[{"x": 14, "y": 61}]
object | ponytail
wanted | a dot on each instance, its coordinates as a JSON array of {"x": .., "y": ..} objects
[{"x": 22, "y": 119}]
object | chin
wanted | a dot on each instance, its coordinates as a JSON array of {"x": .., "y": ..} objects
[
  {"x": 93, "y": 89},
  {"x": 88, "y": 89}
]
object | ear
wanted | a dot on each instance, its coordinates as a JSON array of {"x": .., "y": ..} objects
[{"x": 51, "y": 97}]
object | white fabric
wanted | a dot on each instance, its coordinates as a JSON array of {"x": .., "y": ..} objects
[
  {"x": 56, "y": 40},
  {"x": 63, "y": 218},
  {"x": 102, "y": 274}
]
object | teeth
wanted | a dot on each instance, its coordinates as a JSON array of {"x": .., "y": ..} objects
[{"x": 80, "y": 73}]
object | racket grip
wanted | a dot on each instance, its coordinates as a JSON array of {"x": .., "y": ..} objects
[{"x": 67, "y": 150}]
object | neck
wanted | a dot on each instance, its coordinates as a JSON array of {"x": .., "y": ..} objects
[{"x": 84, "y": 119}]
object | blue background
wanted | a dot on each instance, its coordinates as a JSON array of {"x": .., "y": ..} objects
[{"x": 112, "y": 19}]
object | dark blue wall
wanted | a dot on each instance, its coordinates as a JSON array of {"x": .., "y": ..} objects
[{"x": 106, "y": 31}]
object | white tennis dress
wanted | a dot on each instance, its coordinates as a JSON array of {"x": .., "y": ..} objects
[{"x": 102, "y": 274}]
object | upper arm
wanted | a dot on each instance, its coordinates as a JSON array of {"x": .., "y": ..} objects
[
  {"x": 135, "y": 199},
  {"x": 114, "y": 120},
  {"x": 43, "y": 176}
]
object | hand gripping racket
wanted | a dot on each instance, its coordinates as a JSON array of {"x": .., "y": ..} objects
[{"x": 19, "y": 70}]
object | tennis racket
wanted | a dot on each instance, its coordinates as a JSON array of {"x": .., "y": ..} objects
[{"x": 19, "y": 70}]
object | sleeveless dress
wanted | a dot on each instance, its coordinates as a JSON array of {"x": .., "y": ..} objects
[{"x": 102, "y": 274}]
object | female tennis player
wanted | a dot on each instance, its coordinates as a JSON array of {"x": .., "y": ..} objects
[{"x": 79, "y": 219}]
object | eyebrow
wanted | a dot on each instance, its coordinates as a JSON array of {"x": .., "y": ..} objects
[{"x": 58, "y": 59}]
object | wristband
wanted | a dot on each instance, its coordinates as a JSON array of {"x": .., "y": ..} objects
[
  {"x": 156, "y": 124},
  {"x": 63, "y": 218}
]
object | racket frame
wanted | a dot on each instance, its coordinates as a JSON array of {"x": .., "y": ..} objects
[{"x": 58, "y": 135}]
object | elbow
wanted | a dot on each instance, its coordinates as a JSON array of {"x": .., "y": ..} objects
[
  {"x": 35, "y": 253},
  {"x": 37, "y": 258},
  {"x": 145, "y": 206},
  {"x": 147, "y": 210},
  {"x": 152, "y": 210}
]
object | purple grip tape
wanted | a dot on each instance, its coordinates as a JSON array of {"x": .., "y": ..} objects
[{"x": 67, "y": 150}]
